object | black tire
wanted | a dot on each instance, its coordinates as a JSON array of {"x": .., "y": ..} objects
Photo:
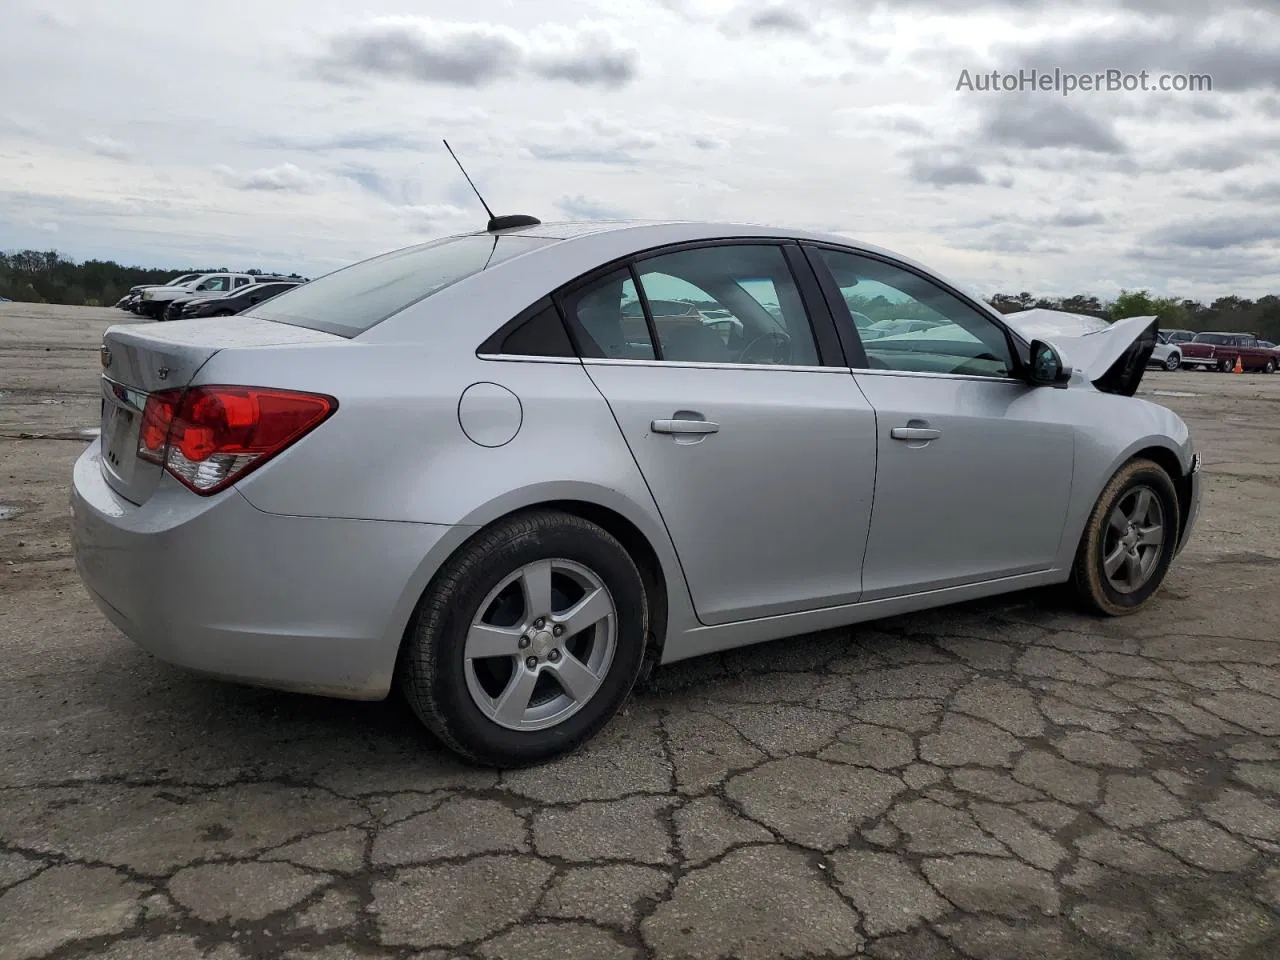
[
  {"x": 1270, "y": 367},
  {"x": 1173, "y": 362},
  {"x": 1088, "y": 578},
  {"x": 431, "y": 669},
  {"x": 1226, "y": 366}
]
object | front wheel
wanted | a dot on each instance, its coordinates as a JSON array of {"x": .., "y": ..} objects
[
  {"x": 1226, "y": 366},
  {"x": 1129, "y": 541},
  {"x": 528, "y": 640}
]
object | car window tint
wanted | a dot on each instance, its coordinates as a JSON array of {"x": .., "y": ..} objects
[
  {"x": 609, "y": 320},
  {"x": 351, "y": 300},
  {"x": 730, "y": 303},
  {"x": 541, "y": 335},
  {"x": 909, "y": 323}
]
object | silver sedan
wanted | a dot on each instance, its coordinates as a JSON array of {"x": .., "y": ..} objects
[{"x": 487, "y": 471}]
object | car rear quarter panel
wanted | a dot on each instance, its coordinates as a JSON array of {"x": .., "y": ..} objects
[{"x": 396, "y": 451}]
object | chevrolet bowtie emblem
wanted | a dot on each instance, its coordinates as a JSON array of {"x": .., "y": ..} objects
[{"x": 105, "y": 353}]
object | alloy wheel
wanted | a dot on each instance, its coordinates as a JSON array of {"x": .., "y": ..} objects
[
  {"x": 540, "y": 645},
  {"x": 1133, "y": 540}
]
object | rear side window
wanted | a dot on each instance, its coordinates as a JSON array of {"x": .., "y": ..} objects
[{"x": 351, "y": 300}]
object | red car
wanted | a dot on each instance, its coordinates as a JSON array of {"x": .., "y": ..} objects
[{"x": 1219, "y": 351}]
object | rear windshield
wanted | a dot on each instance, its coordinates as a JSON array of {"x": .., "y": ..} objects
[
  {"x": 351, "y": 300},
  {"x": 1221, "y": 338}
]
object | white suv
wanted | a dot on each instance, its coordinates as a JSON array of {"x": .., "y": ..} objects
[{"x": 156, "y": 299}]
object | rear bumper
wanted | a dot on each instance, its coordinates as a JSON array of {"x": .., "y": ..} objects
[{"x": 217, "y": 586}]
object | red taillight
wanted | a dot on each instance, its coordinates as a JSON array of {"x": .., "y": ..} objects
[
  {"x": 156, "y": 418},
  {"x": 210, "y": 437}
]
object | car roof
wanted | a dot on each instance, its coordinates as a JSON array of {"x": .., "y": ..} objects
[{"x": 698, "y": 229}]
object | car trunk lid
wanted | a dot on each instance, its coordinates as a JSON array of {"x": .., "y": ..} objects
[{"x": 141, "y": 359}]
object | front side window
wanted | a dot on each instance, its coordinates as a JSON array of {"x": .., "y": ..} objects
[
  {"x": 729, "y": 303},
  {"x": 215, "y": 284},
  {"x": 909, "y": 323}
]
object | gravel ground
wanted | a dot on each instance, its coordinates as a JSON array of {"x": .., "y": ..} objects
[{"x": 1006, "y": 780}]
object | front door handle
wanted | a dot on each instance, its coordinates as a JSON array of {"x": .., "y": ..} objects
[
  {"x": 915, "y": 433},
  {"x": 684, "y": 426}
]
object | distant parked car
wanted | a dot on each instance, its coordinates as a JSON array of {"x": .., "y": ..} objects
[
  {"x": 892, "y": 328},
  {"x": 155, "y": 300},
  {"x": 234, "y": 303},
  {"x": 130, "y": 300},
  {"x": 1165, "y": 354},
  {"x": 1219, "y": 351},
  {"x": 174, "y": 310}
]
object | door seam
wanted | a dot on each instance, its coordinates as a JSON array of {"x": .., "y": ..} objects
[{"x": 652, "y": 496}]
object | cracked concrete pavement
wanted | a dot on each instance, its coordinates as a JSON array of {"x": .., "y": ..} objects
[{"x": 1005, "y": 780}]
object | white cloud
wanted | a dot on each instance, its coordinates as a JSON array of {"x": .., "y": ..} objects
[
  {"x": 286, "y": 177},
  {"x": 153, "y": 132},
  {"x": 110, "y": 147}
]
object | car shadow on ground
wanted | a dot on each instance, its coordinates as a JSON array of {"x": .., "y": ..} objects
[{"x": 230, "y": 725}]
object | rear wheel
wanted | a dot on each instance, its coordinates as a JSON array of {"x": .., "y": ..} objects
[
  {"x": 1129, "y": 541},
  {"x": 1226, "y": 366},
  {"x": 1173, "y": 362},
  {"x": 528, "y": 640},
  {"x": 1270, "y": 367}
]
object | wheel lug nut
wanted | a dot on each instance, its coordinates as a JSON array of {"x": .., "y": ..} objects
[
  {"x": 553, "y": 656},
  {"x": 557, "y": 630},
  {"x": 540, "y": 622},
  {"x": 531, "y": 663},
  {"x": 523, "y": 642}
]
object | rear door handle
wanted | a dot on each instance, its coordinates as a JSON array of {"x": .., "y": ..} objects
[
  {"x": 684, "y": 426},
  {"x": 915, "y": 433}
]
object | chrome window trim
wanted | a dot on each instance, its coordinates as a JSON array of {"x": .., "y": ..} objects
[
  {"x": 524, "y": 358},
  {"x": 711, "y": 365},
  {"x": 859, "y": 371}
]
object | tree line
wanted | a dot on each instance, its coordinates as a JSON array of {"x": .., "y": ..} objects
[{"x": 33, "y": 276}]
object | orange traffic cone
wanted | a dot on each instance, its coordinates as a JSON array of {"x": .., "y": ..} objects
[{"x": 1238, "y": 368}]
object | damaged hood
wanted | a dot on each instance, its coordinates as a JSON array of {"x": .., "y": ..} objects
[{"x": 1111, "y": 356}]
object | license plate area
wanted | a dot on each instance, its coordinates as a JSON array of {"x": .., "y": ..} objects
[{"x": 121, "y": 420}]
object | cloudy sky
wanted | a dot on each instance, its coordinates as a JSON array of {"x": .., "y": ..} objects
[{"x": 304, "y": 134}]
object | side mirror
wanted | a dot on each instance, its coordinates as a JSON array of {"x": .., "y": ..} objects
[{"x": 1046, "y": 368}]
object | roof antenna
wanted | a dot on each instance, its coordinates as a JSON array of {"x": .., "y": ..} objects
[{"x": 495, "y": 223}]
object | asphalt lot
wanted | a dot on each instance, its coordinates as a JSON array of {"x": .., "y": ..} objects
[{"x": 1004, "y": 781}]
